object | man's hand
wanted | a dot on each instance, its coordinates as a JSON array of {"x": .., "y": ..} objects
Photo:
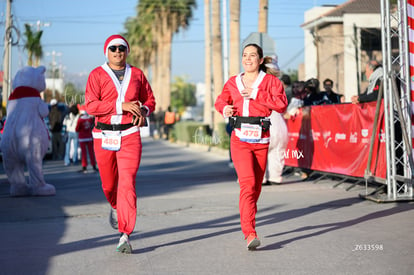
[
  {"x": 132, "y": 107},
  {"x": 137, "y": 112}
]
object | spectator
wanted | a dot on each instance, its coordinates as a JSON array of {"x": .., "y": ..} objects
[
  {"x": 287, "y": 85},
  {"x": 159, "y": 123},
  {"x": 374, "y": 74},
  {"x": 278, "y": 135},
  {"x": 84, "y": 128},
  {"x": 70, "y": 122},
  {"x": 313, "y": 94},
  {"x": 169, "y": 121},
  {"x": 55, "y": 123},
  {"x": 329, "y": 94},
  {"x": 298, "y": 93}
]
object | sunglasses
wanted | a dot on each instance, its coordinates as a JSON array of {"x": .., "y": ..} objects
[{"x": 121, "y": 48}]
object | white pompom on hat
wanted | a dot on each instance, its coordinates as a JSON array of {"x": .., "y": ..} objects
[{"x": 115, "y": 39}]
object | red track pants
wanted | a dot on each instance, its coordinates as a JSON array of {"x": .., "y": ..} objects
[
  {"x": 250, "y": 163},
  {"x": 118, "y": 172},
  {"x": 87, "y": 149}
]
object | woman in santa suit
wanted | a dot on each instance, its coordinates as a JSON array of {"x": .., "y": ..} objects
[
  {"x": 247, "y": 100},
  {"x": 120, "y": 97}
]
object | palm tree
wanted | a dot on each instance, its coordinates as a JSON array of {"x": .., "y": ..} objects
[
  {"x": 263, "y": 12},
  {"x": 169, "y": 16},
  {"x": 140, "y": 38},
  {"x": 217, "y": 55},
  {"x": 234, "y": 56},
  {"x": 208, "y": 98},
  {"x": 33, "y": 45}
]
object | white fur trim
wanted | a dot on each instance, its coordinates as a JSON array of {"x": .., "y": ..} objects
[{"x": 126, "y": 132}]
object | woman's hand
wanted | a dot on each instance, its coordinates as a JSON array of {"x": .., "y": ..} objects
[{"x": 229, "y": 111}]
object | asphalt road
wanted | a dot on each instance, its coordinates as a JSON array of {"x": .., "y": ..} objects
[{"x": 188, "y": 223}]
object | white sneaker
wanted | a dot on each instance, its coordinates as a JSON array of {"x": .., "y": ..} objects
[
  {"x": 124, "y": 246},
  {"x": 113, "y": 218}
]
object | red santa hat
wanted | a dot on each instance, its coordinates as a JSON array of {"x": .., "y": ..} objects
[{"x": 115, "y": 39}]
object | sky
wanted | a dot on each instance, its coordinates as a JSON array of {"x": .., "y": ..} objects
[{"x": 74, "y": 32}]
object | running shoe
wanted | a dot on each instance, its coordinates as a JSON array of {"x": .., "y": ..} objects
[
  {"x": 113, "y": 218},
  {"x": 124, "y": 246},
  {"x": 252, "y": 241}
]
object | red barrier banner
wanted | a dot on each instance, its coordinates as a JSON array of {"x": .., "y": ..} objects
[{"x": 336, "y": 139}]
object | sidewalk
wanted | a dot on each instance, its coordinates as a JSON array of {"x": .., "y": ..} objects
[{"x": 188, "y": 223}]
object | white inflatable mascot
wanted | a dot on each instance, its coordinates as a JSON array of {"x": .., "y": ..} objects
[{"x": 25, "y": 138}]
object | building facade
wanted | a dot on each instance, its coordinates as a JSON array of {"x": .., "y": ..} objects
[{"x": 339, "y": 40}]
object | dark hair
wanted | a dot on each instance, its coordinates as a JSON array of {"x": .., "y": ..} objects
[
  {"x": 312, "y": 84},
  {"x": 259, "y": 49},
  {"x": 327, "y": 80},
  {"x": 286, "y": 79},
  {"x": 74, "y": 109},
  {"x": 259, "y": 52}
]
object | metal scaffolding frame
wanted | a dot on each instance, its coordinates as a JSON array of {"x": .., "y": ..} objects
[{"x": 397, "y": 104}]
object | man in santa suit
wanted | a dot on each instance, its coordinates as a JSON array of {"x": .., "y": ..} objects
[{"x": 120, "y": 97}]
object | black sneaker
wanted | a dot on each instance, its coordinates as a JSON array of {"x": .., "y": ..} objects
[
  {"x": 113, "y": 218},
  {"x": 83, "y": 170}
]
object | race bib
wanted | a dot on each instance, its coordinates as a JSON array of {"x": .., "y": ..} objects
[
  {"x": 111, "y": 140},
  {"x": 250, "y": 132}
]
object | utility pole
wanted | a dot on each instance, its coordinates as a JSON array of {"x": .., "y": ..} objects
[
  {"x": 54, "y": 54},
  {"x": 7, "y": 55},
  {"x": 41, "y": 24},
  {"x": 225, "y": 44}
]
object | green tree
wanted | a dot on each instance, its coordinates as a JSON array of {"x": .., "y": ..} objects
[
  {"x": 182, "y": 94},
  {"x": 33, "y": 45}
]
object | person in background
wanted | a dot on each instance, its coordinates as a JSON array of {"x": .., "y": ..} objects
[
  {"x": 287, "y": 85},
  {"x": 298, "y": 92},
  {"x": 313, "y": 94},
  {"x": 374, "y": 73},
  {"x": 169, "y": 121},
  {"x": 120, "y": 98},
  {"x": 248, "y": 99},
  {"x": 278, "y": 135},
  {"x": 331, "y": 96},
  {"x": 55, "y": 124},
  {"x": 84, "y": 128},
  {"x": 159, "y": 120},
  {"x": 70, "y": 121}
]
